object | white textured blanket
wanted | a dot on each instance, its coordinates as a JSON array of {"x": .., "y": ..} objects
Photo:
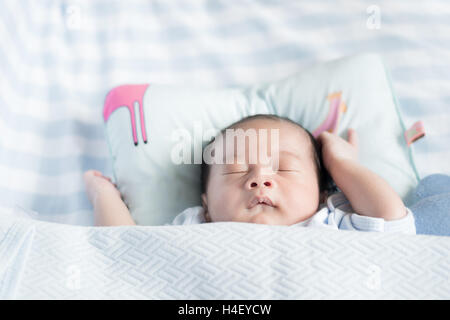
[{"x": 41, "y": 260}]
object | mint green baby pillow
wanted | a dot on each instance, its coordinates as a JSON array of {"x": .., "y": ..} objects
[{"x": 156, "y": 132}]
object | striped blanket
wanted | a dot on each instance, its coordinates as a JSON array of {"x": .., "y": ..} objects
[{"x": 58, "y": 59}]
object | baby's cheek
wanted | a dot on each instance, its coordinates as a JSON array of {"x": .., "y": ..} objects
[
  {"x": 224, "y": 207},
  {"x": 304, "y": 200}
]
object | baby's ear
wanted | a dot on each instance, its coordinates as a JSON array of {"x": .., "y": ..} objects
[{"x": 205, "y": 207}]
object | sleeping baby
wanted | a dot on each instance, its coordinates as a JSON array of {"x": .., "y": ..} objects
[{"x": 295, "y": 190}]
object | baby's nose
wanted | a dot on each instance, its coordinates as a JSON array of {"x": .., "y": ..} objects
[{"x": 263, "y": 182}]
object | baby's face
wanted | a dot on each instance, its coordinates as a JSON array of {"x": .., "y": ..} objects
[{"x": 288, "y": 195}]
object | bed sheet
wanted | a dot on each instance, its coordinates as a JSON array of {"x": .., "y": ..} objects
[{"x": 58, "y": 59}]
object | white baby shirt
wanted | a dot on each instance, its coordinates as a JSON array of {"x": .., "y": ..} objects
[{"x": 336, "y": 214}]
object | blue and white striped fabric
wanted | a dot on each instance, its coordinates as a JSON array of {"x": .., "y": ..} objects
[{"x": 58, "y": 59}]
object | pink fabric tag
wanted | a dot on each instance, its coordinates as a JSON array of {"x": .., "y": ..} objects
[{"x": 414, "y": 133}]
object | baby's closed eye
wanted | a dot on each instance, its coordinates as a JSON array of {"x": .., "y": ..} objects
[
  {"x": 235, "y": 168},
  {"x": 289, "y": 165},
  {"x": 241, "y": 170}
]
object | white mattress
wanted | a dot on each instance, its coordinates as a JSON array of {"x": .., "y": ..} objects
[{"x": 217, "y": 261}]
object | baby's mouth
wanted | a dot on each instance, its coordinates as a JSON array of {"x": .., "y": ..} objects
[{"x": 260, "y": 201}]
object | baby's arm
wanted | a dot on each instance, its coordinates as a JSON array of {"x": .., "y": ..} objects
[
  {"x": 368, "y": 193},
  {"x": 109, "y": 209}
]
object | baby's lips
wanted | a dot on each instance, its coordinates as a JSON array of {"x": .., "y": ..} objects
[{"x": 261, "y": 199}]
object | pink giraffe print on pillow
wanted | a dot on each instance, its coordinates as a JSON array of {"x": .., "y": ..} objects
[
  {"x": 337, "y": 107},
  {"x": 125, "y": 96}
]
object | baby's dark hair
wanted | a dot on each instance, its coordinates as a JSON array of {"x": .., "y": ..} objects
[{"x": 323, "y": 177}]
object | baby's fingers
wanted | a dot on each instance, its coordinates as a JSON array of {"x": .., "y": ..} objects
[
  {"x": 110, "y": 180},
  {"x": 90, "y": 174},
  {"x": 323, "y": 137},
  {"x": 352, "y": 137}
]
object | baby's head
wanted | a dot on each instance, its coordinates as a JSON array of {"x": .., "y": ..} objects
[{"x": 262, "y": 192}]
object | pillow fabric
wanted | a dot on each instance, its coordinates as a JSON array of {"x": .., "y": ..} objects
[{"x": 156, "y": 132}]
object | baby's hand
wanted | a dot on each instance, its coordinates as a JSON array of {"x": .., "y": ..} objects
[
  {"x": 335, "y": 149},
  {"x": 97, "y": 184}
]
